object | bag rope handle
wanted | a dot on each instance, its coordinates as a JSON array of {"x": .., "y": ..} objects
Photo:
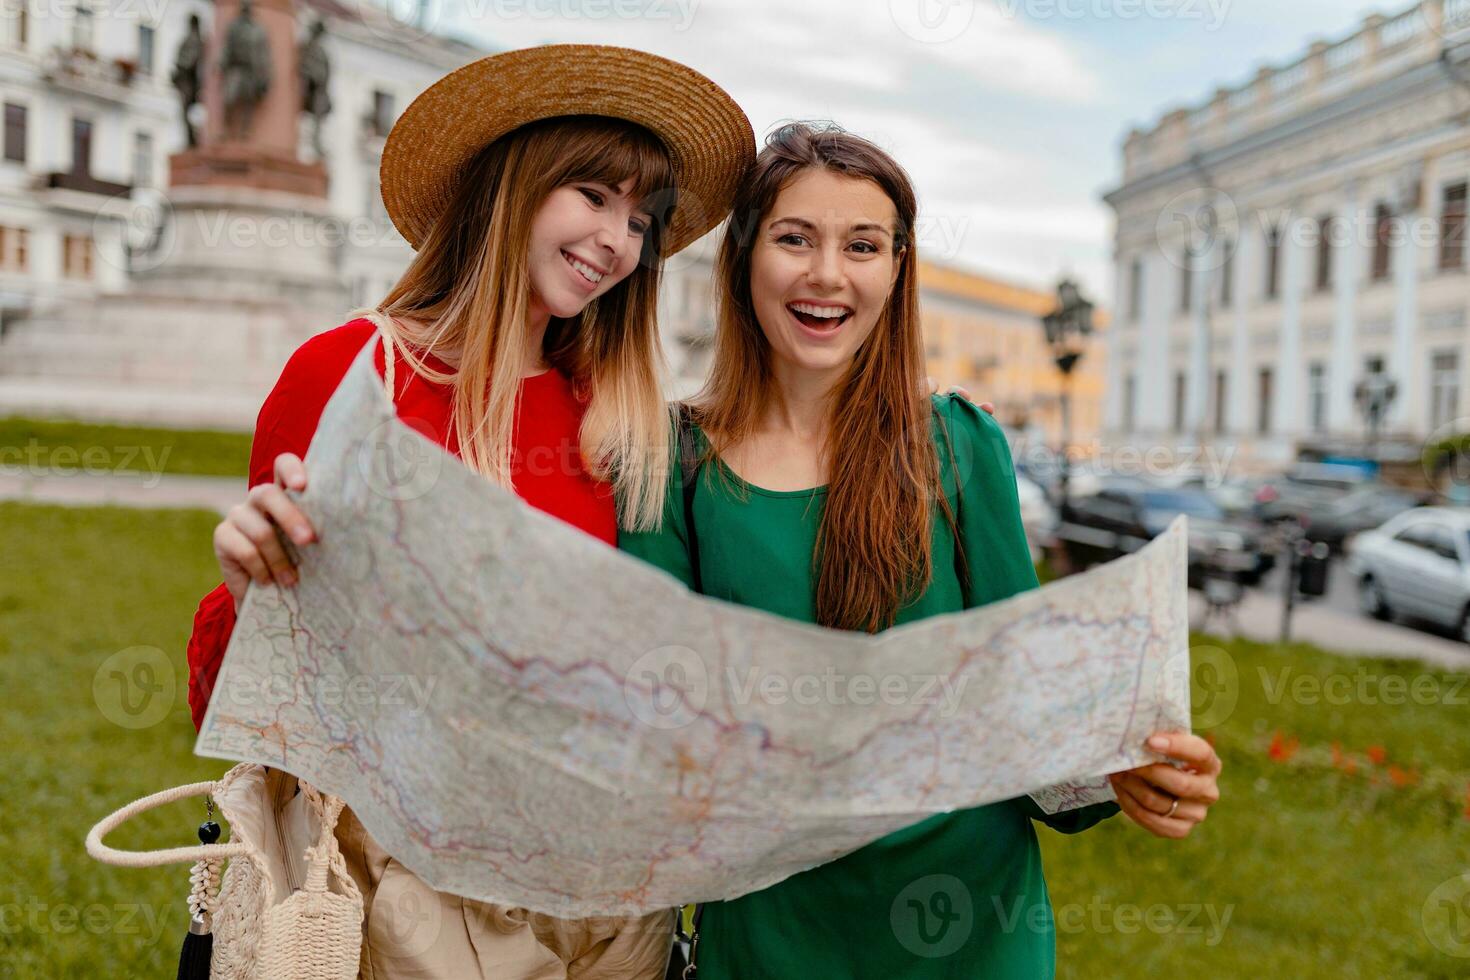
[
  {"x": 325, "y": 854},
  {"x": 168, "y": 855}
]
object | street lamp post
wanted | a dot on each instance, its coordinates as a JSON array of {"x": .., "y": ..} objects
[
  {"x": 1373, "y": 395},
  {"x": 1066, "y": 329}
]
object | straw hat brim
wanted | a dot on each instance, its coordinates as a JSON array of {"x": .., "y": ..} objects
[{"x": 708, "y": 137}]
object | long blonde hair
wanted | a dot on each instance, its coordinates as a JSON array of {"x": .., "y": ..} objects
[{"x": 468, "y": 287}]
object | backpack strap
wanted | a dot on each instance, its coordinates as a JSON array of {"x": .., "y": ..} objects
[{"x": 689, "y": 466}]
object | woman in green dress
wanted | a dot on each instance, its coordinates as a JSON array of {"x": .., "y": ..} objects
[{"x": 830, "y": 489}]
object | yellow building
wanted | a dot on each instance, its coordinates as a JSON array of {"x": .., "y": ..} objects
[{"x": 985, "y": 334}]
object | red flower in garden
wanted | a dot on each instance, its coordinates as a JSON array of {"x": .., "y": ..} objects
[
  {"x": 1377, "y": 753},
  {"x": 1282, "y": 749}
]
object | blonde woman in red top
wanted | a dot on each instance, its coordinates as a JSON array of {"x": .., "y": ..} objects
[{"x": 541, "y": 190}]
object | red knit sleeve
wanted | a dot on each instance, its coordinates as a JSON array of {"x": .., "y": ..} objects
[{"x": 287, "y": 420}]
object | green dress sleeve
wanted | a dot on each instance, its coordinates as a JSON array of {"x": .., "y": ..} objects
[
  {"x": 994, "y": 543},
  {"x": 666, "y": 548}
]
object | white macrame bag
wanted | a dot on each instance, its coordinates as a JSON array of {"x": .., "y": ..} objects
[{"x": 266, "y": 926}]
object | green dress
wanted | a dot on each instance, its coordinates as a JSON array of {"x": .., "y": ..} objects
[{"x": 957, "y": 895}]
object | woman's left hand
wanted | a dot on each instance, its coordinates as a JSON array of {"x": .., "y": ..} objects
[
  {"x": 964, "y": 393},
  {"x": 1167, "y": 800}
]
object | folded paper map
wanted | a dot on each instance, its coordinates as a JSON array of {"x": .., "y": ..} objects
[{"x": 523, "y": 715}]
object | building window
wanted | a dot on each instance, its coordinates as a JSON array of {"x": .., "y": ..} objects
[
  {"x": 1324, "y": 253},
  {"x": 21, "y": 257},
  {"x": 1227, "y": 272},
  {"x": 1444, "y": 387},
  {"x": 1220, "y": 402},
  {"x": 81, "y": 146},
  {"x": 1181, "y": 385},
  {"x": 76, "y": 256},
  {"x": 1186, "y": 278},
  {"x": 13, "y": 251},
  {"x": 1373, "y": 365},
  {"x": 1452, "y": 226},
  {"x": 1135, "y": 290},
  {"x": 1317, "y": 395},
  {"x": 145, "y": 49},
  {"x": 382, "y": 119},
  {"x": 142, "y": 159},
  {"x": 81, "y": 28},
  {"x": 1273, "y": 262},
  {"x": 1382, "y": 233},
  {"x": 1130, "y": 392},
  {"x": 18, "y": 12},
  {"x": 15, "y": 132},
  {"x": 1263, "y": 398}
]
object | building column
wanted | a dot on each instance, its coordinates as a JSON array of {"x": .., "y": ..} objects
[
  {"x": 1152, "y": 387},
  {"x": 1114, "y": 373},
  {"x": 1411, "y": 253},
  {"x": 1286, "y": 412},
  {"x": 1348, "y": 257},
  {"x": 1247, "y": 258},
  {"x": 1197, "y": 382}
]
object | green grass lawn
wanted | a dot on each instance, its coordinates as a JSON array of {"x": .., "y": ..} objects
[
  {"x": 1305, "y": 869},
  {"x": 77, "y": 587},
  {"x": 1324, "y": 864},
  {"x": 34, "y": 444}
]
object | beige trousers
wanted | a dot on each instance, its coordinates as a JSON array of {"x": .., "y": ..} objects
[{"x": 412, "y": 931}]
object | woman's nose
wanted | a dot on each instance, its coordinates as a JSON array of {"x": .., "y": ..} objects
[{"x": 826, "y": 268}]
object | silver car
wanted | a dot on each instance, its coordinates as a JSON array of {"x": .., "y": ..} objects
[{"x": 1417, "y": 564}]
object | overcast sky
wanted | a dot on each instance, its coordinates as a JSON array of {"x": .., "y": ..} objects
[{"x": 1009, "y": 114}]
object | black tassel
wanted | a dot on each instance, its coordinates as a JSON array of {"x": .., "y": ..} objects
[{"x": 194, "y": 957}]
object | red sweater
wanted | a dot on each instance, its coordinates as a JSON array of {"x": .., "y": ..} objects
[{"x": 546, "y": 463}]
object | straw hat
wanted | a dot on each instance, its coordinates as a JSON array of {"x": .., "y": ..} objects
[{"x": 706, "y": 133}]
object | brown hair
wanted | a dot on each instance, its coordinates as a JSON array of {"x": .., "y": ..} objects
[
  {"x": 469, "y": 286},
  {"x": 873, "y": 550}
]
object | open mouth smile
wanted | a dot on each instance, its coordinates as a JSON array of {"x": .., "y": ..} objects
[
  {"x": 820, "y": 318},
  {"x": 590, "y": 274}
]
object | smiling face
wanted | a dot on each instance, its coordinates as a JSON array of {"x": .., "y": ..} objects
[
  {"x": 822, "y": 269},
  {"x": 585, "y": 239}
]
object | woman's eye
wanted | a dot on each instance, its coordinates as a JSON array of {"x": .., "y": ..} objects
[
  {"x": 791, "y": 238},
  {"x": 638, "y": 226},
  {"x": 591, "y": 195},
  {"x": 867, "y": 248}
]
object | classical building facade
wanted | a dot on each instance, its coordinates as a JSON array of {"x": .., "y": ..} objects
[
  {"x": 88, "y": 210},
  {"x": 1297, "y": 241},
  {"x": 985, "y": 334},
  {"x": 91, "y": 118}
]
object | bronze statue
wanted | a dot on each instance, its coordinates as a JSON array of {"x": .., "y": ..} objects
[
  {"x": 245, "y": 68},
  {"x": 187, "y": 79},
  {"x": 315, "y": 69}
]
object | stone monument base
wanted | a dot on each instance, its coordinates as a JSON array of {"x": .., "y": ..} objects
[{"x": 238, "y": 280}]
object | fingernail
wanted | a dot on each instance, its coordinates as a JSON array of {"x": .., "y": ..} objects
[
  {"x": 1158, "y": 742},
  {"x": 302, "y": 535}
]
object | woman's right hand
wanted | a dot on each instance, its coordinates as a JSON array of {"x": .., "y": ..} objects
[{"x": 246, "y": 542}]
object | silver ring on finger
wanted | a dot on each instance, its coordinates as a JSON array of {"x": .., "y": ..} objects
[{"x": 1172, "y": 807}]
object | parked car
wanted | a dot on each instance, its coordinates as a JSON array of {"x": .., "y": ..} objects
[
  {"x": 1302, "y": 491},
  {"x": 1236, "y": 496},
  {"x": 1126, "y": 514},
  {"x": 1038, "y": 516},
  {"x": 1416, "y": 564},
  {"x": 1359, "y": 510}
]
